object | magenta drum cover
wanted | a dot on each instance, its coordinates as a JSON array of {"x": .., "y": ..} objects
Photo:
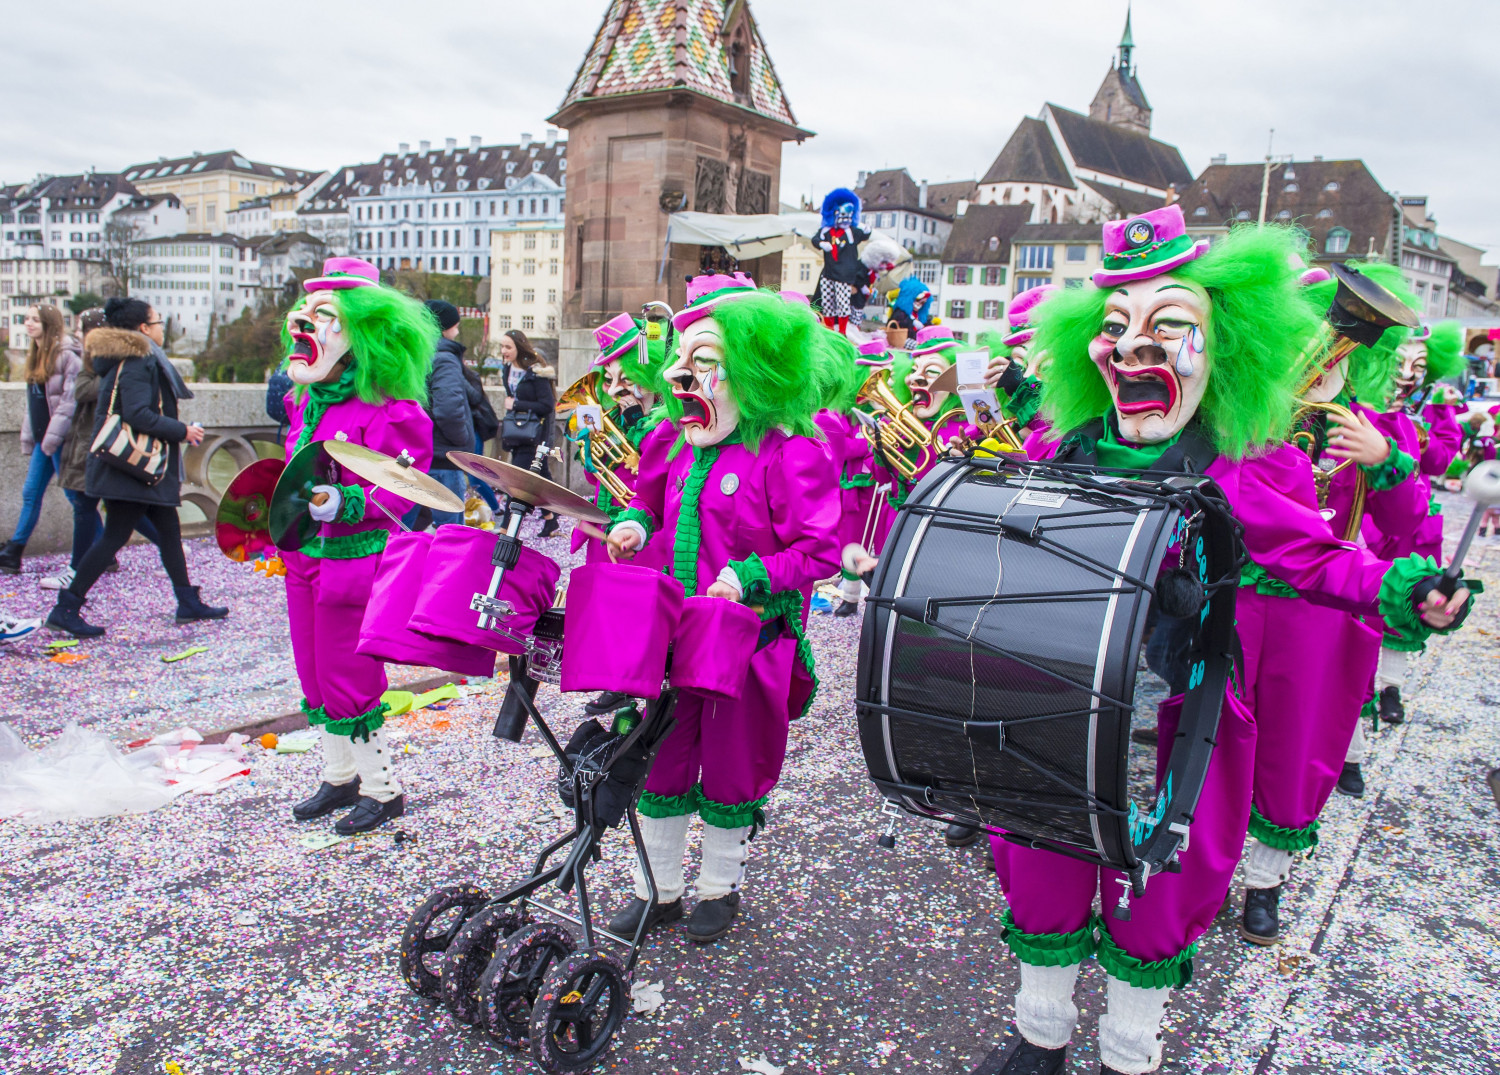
[
  {"x": 458, "y": 566},
  {"x": 384, "y": 634},
  {"x": 619, "y": 621},
  {"x": 714, "y": 643}
]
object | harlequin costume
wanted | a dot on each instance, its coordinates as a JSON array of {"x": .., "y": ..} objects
[
  {"x": 911, "y": 307},
  {"x": 1191, "y": 357},
  {"x": 843, "y": 272},
  {"x": 750, "y": 500},
  {"x": 358, "y": 356}
]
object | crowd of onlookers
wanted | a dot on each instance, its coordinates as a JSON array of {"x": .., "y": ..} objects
[{"x": 115, "y": 366}]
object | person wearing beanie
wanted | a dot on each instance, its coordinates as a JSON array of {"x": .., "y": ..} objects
[{"x": 449, "y": 407}]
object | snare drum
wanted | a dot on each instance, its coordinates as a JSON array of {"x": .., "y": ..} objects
[
  {"x": 384, "y": 634},
  {"x": 619, "y": 621},
  {"x": 459, "y": 565},
  {"x": 998, "y": 656},
  {"x": 714, "y": 643}
]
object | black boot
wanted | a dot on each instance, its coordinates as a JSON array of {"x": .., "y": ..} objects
[
  {"x": 1391, "y": 709},
  {"x": 608, "y": 702},
  {"x": 10, "y": 557},
  {"x": 711, "y": 919},
  {"x": 190, "y": 606},
  {"x": 628, "y": 918},
  {"x": 846, "y": 608},
  {"x": 1260, "y": 925},
  {"x": 327, "y": 799},
  {"x": 1017, "y": 1056},
  {"x": 1352, "y": 781},
  {"x": 67, "y": 617},
  {"x": 956, "y": 835},
  {"x": 369, "y": 814},
  {"x": 549, "y": 527}
]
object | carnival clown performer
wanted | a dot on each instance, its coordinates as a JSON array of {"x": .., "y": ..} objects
[
  {"x": 1430, "y": 407},
  {"x": 358, "y": 360},
  {"x": 1181, "y": 359},
  {"x": 843, "y": 272},
  {"x": 1013, "y": 368},
  {"x": 911, "y": 307},
  {"x": 750, "y": 498},
  {"x": 879, "y": 257}
]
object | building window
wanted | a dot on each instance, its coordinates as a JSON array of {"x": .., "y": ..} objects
[
  {"x": 959, "y": 274},
  {"x": 1331, "y": 185},
  {"x": 528, "y": 295},
  {"x": 989, "y": 310},
  {"x": 505, "y": 266},
  {"x": 911, "y": 221},
  {"x": 1073, "y": 282},
  {"x": 551, "y": 324},
  {"x": 528, "y": 241},
  {"x": 1026, "y": 283},
  {"x": 528, "y": 267},
  {"x": 958, "y": 309},
  {"x": 1243, "y": 214},
  {"x": 1290, "y": 188},
  {"x": 1325, "y": 214},
  {"x": 551, "y": 294},
  {"x": 804, "y": 272},
  {"x": 528, "y": 323},
  {"x": 1337, "y": 242},
  {"x": 1034, "y": 257},
  {"x": 1078, "y": 253},
  {"x": 993, "y": 276},
  {"x": 928, "y": 271},
  {"x": 505, "y": 294},
  {"x": 503, "y": 321}
]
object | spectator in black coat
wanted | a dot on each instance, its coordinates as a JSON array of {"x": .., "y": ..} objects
[
  {"x": 486, "y": 428},
  {"x": 136, "y": 382},
  {"x": 448, "y": 404},
  {"x": 527, "y": 389}
]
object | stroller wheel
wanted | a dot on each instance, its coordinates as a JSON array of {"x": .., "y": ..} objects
[
  {"x": 581, "y": 1006},
  {"x": 430, "y": 930},
  {"x": 511, "y": 982},
  {"x": 470, "y": 953}
]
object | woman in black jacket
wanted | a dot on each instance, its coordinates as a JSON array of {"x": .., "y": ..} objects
[
  {"x": 527, "y": 390},
  {"x": 136, "y": 382}
]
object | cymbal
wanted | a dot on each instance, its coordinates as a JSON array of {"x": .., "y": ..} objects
[
  {"x": 527, "y": 486},
  {"x": 395, "y": 475},
  {"x": 291, "y": 527},
  {"x": 242, "y": 525}
]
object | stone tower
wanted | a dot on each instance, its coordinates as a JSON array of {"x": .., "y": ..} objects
[
  {"x": 676, "y": 106},
  {"x": 1120, "y": 101}
]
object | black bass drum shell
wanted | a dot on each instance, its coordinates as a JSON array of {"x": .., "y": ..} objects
[{"x": 998, "y": 654}]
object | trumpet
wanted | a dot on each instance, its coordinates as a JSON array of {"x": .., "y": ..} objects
[
  {"x": 899, "y": 430},
  {"x": 609, "y": 446},
  {"x": 1002, "y": 430}
]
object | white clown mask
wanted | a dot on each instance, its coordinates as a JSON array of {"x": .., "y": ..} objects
[
  {"x": 1152, "y": 351},
  {"x": 1413, "y": 373},
  {"x": 700, "y": 382},
  {"x": 925, "y": 403},
  {"x": 319, "y": 344},
  {"x": 624, "y": 392}
]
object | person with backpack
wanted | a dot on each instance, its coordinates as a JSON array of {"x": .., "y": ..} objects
[{"x": 449, "y": 406}]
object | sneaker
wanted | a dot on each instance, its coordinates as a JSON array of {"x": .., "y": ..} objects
[
  {"x": 13, "y": 629},
  {"x": 60, "y": 581},
  {"x": 1391, "y": 710}
]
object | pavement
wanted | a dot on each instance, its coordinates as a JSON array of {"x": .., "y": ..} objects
[{"x": 208, "y": 936}]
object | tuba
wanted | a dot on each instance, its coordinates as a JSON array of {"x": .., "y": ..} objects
[
  {"x": 609, "y": 446},
  {"x": 897, "y": 428}
]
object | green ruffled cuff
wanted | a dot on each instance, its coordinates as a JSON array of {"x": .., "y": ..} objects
[
  {"x": 1254, "y": 576},
  {"x": 726, "y": 816},
  {"x": 638, "y": 516},
  {"x": 1398, "y": 466},
  {"x": 1399, "y": 608},
  {"x": 314, "y": 716},
  {"x": 1048, "y": 949},
  {"x": 654, "y": 805},
  {"x": 1171, "y": 973},
  {"x": 352, "y": 507},
  {"x": 755, "y": 584},
  {"x": 858, "y": 481},
  {"x": 1025, "y": 401},
  {"x": 361, "y": 726},
  {"x": 1281, "y": 837}
]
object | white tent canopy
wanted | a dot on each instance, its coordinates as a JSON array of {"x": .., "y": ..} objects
[{"x": 749, "y": 236}]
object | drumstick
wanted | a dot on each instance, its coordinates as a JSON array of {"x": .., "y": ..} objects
[{"x": 591, "y": 530}]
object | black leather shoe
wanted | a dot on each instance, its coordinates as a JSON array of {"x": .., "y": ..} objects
[
  {"x": 327, "y": 799},
  {"x": 711, "y": 919},
  {"x": 68, "y": 616},
  {"x": 1352, "y": 781},
  {"x": 369, "y": 814},
  {"x": 846, "y": 608},
  {"x": 1260, "y": 925},
  {"x": 190, "y": 606},
  {"x": 956, "y": 835},
  {"x": 628, "y": 918},
  {"x": 1017, "y": 1056},
  {"x": 608, "y": 702},
  {"x": 1391, "y": 709}
]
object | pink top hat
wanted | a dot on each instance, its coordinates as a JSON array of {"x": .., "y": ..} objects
[
  {"x": 933, "y": 339},
  {"x": 795, "y": 296},
  {"x": 1146, "y": 246},
  {"x": 874, "y": 352},
  {"x": 706, "y": 292},
  {"x": 1309, "y": 277},
  {"x": 615, "y": 338},
  {"x": 342, "y": 273},
  {"x": 1019, "y": 314}
]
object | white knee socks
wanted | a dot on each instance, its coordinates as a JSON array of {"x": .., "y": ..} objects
[
  {"x": 377, "y": 776},
  {"x": 1045, "y": 1012},
  {"x": 666, "y": 841},
  {"x": 849, "y": 590},
  {"x": 1265, "y": 866},
  {"x": 1130, "y": 1030},
  {"x": 1356, "y": 754},
  {"x": 724, "y": 854},
  {"x": 338, "y": 759},
  {"x": 1392, "y": 670}
]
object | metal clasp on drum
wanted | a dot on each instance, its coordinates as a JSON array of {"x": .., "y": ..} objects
[{"x": 493, "y": 607}]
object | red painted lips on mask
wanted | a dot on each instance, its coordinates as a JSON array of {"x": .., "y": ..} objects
[{"x": 1149, "y": 388}]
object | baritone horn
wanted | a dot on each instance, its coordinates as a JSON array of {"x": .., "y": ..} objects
[
  {"x": 899, "y": 430},
  {"x": 1360, "y": 313},
  {"x": 608, "y": 446}
]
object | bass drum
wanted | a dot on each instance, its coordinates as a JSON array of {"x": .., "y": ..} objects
[{"x": 998, "y": 657}]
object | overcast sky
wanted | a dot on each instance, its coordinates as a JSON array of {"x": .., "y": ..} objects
[{"x": 936, "y": 86}]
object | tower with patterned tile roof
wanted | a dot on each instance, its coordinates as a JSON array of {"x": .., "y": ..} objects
[{"x": 675, "y": 106}]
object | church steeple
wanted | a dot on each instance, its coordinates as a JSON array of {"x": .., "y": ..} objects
[
  {"x": 1127, "y": 43},
  {"x": 1120, "y": 101}
]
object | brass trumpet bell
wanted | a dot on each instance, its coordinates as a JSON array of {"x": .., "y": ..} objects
[
  {"x": 899, "y": 430},
  {"x": 1362, "y": 309},
  {"x": 610, "y": 448}
]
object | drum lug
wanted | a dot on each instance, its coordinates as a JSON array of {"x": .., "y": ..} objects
[
  {"x": 887, "y": 839},
  {"x": 1174, "y": 864},
  {"x": 492, "y": 607},
  {"x": 1122, "y": 909}
]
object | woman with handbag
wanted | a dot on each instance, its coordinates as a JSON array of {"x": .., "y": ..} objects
[
  {"x": 529, "y": 402},
  {"x": 135, "y": 465}
]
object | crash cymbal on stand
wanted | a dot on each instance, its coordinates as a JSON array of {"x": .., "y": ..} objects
[
  {"x": 527, "y": 486},
  {"x": 242, "y": 525},
  {"x": 291, "y": 527},
  {"x": 394, "y": 474}
]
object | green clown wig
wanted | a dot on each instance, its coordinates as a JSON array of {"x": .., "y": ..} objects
[
  {"x": 837, "y": 368},
  {"x": 1445, "y": 352},
  {"x": 1258, "y": 326},
  {"x": 1370, "y": 372},
  {"x": 770, "y": 360},
  {"x": 392, "y": 339}
]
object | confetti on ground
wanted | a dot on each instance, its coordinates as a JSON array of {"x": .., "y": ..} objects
[{"x": 191, "y": 651}]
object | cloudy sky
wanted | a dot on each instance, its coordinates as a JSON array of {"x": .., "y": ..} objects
[{"x": 936, "y": 85}]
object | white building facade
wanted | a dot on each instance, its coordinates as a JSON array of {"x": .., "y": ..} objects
[
  {"x": 526, "y": 278},
  {"x": 196, "y": 282}
]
